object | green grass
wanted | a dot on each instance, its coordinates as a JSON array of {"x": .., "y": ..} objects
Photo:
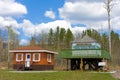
[{"x": 60, "y": 75}]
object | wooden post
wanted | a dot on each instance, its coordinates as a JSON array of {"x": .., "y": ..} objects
[
  {"x": 67, "y": 64},
  {"x": 81, "y": 65}
]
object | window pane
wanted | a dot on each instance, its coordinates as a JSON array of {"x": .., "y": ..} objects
[
  {"x": 19, "y": 56},
  {"x": 49, "y": 57},
  {"x": 36, "y": 56},
  {"x": 28, "y": 56}
]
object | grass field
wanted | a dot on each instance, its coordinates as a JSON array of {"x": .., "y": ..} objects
[{"x": 59, "y": 75}]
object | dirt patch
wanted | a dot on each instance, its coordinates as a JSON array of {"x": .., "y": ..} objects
[{"x": 116, "y": 74}]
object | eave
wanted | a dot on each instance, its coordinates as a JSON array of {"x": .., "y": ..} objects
[{"x": 17, "y": 51}]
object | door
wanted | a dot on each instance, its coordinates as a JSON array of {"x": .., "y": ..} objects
[{"x": 28, "y": 59}]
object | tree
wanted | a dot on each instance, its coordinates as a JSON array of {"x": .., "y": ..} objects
[
  {"x": 115, "y": 49},
  {"x": 62, "y": 34},
  {"x": 3, "y": 45},
  {"x": 104, "y": 41},
  {"x": 68, "y": 38},
  {"x": 57, "y": 37},
  {"x": 12, "y": 38},
  {"x": 32, "y": 41},
  {"x": 50, "y": 37},
  {"x": 62, "y": 37},
  {"x": 96, "y": 35},
  {"x": 12, "y": 42},
  {"x": 108, "y": 6},
  {"x": 43, "y": 38}
]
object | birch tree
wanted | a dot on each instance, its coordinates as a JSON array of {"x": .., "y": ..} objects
[{"x": 108, "y": 7}]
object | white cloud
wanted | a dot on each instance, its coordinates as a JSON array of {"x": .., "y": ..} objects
[
  {"x": 24, "y": 42},
  {"x": 85, "y": 0},
  {"x": 115, "y": 23},
  {"x": 50, "y": 14},
  {"x": 91, "y": 13},
  {"x": 83, "y": 12},
  {"x": 8, "y": 9},
  {"x": 11, "y": 8},
  {"x": 78, "y": 29},
  {"x": 30, "y": 29},
  {"x": 8, "y": 21}
]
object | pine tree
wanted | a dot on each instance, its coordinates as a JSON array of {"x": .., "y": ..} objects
[
  {"x": 57, "y": 37},
  {"x": 62, "y": 37},
  {"x": 68, "y": 38},
  {"x": 50, "y": 37}
]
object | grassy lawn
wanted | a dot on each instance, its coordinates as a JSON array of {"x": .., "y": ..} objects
[{"x": 60, "y": 75}]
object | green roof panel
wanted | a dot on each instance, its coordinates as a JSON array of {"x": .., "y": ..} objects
[{"x": 96, "y": 53}]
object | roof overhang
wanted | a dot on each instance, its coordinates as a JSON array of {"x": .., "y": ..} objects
[
  {"x": 16, "y": 51},
  {"x": 85, "y": 53}
]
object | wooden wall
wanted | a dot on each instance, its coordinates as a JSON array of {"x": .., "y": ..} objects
[{"x": 43, "y": 59}]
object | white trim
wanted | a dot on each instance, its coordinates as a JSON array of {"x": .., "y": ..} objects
[
  {"x": 33, "y": 51},
  {"x": 39, "y": 57},
  {"x": 49, "y": 58},
  {"x": 17, "y": 57},
  {"x": 26, "y": 57}
]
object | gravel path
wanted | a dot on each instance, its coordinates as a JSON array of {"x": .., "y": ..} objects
[
  {"x": 116, "y": 74},
  {"x": 32, "y": 71}
]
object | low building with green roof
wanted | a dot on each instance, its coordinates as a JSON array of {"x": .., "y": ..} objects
[{"x": 85, "y": 54}]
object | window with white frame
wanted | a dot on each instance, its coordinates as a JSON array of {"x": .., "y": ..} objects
[
  {"x": 49, "y": 57},
  {"x": 19, "y": 57},
  {"x": 36, "y": 57}
]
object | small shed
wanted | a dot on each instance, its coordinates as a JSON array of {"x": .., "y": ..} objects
[
  {"x": 85, "y": 54},
  {"x": 33, "y": 58}
]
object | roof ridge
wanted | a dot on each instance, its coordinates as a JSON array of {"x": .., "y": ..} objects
[{"x": 85, "y": 39}]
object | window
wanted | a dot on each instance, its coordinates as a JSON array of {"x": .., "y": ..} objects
[
  {"x": 36, "y": 57},
  {"x": 19, "y": 57},
  {"x": 49, "y": 57}
]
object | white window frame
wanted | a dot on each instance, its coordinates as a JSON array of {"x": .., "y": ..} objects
[
  {"x": 26, "y": 57},
  {"x": 49, "y": 59},
  {"x": 39, "y": 57},
  {"x": 17, "y": 57}
]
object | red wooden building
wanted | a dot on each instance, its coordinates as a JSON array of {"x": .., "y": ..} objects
[{"x": 33, "y": 58}]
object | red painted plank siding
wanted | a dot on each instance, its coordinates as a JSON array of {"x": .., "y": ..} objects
[{"x": 43, "y": 59}]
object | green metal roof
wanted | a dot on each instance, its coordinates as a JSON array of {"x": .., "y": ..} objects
[{"x": 89, "y": 53}]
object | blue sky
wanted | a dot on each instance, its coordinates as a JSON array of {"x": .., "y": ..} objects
[
  {"x": 30, "y": 16},
  {"x": 37, "y": 8}
]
